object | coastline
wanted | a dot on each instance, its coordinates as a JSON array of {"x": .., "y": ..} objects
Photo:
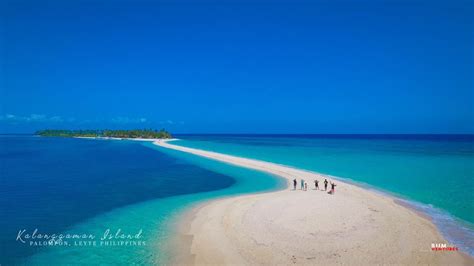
[
  {"x": 355, "y": 226},
  {"x": 134, "y": 139}
]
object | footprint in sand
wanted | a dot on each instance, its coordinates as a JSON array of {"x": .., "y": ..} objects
[{"x": 293, "y": 259}]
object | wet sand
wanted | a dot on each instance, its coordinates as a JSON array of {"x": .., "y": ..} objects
[{"x": 355, "y": 226}]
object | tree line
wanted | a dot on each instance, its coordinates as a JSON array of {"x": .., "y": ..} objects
[{"x": 134, "y": 133}]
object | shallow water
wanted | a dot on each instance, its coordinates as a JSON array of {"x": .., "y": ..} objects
[
  {"x": 434, "y": 172},
  {"x": 88, "y": 186},
  {"x": 77, "y": 185}
]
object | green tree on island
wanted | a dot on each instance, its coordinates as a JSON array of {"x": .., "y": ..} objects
[{"x": 134, "y": 133}]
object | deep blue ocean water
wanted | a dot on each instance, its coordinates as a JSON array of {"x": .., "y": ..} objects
[{"x": 64, "y": 185}]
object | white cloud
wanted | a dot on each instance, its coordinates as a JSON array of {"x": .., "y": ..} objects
[
  {"x": 37, "y": 118},
  {"x": 30, "y": 118},
  {"x": 128, "y": 120},
  {"x": 168, "y": 122}
]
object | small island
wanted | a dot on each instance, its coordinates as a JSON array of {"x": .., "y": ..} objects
[{"x": 107, "y": 133}]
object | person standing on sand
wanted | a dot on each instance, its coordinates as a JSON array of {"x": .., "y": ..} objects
[
  {"x": 294, "y": 184},
  {"x": 325, "y": 184},
  {"x": 305, "y": 186},
  {"x": 316, "y": 184},
  {"x": 302, "y": 184},
  {"x": 333, "y": 188}
]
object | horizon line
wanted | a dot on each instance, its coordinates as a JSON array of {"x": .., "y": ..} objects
[{"x": 295, "y": 134}]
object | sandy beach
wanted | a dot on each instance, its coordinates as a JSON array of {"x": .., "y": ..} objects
[
  {"x": 133, "y": 139},
  {"x": 355, "y": 226}
]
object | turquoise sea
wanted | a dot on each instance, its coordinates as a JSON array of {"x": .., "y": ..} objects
[
  {"x": 433, "y": 173},
  {"x": 81, "y": 186},
  {"x": 60, "y": 185}
]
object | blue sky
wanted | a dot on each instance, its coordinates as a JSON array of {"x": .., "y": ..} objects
[{"x": 238, "y": 67}]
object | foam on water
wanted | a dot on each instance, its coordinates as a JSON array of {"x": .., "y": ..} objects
[
  {"x": 432, "y": 174},
  {"x": 155, "y": 217},
  {"x": 457, "y": 232},
  {"x": 373, "y": 164}
]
